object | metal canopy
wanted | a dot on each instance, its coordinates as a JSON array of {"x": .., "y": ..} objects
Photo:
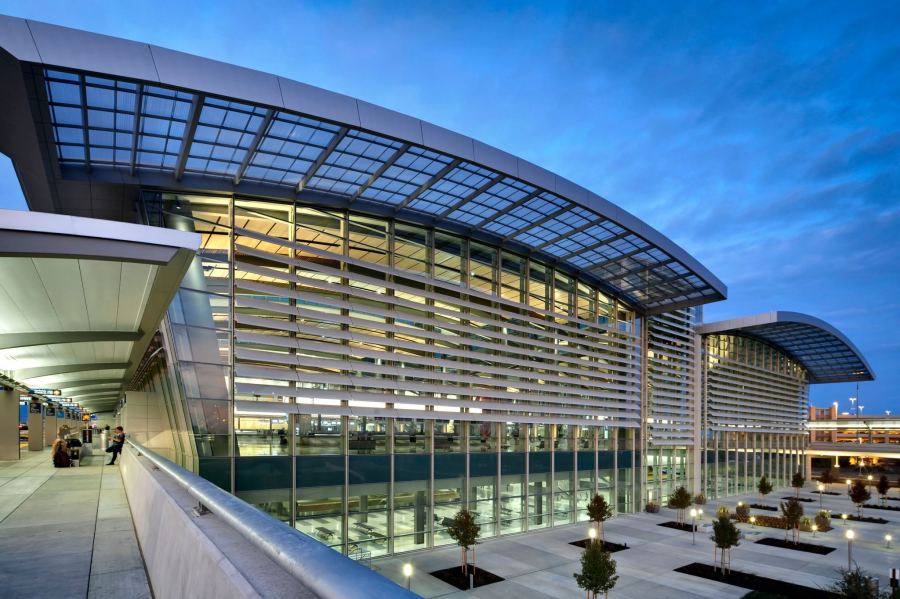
[
  {"x": 81, "y": 299},
  {"x": 126, "y": 113},
  {"x": 826, "y": 354}
]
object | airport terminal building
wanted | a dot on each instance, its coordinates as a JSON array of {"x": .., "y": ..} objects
[{"x": 383, "y": 321}]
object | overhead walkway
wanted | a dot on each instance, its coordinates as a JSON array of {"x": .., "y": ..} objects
[{"x": 67, "y": 532}]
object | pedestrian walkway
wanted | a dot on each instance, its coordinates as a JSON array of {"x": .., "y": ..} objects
[{"x": 67, "y": 532}]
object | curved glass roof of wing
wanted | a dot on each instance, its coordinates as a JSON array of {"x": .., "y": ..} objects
[
  {"x": 826, "y": 354},
  {"x": 125, "y": 124}
]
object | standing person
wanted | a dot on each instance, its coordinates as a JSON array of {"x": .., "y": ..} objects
[{"x": 115, "y": 448}]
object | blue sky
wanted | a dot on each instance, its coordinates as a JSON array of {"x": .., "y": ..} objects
[{"x": 763, "y": 139}]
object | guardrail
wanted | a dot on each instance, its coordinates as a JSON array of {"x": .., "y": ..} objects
[{"x": 322, "y": 570}]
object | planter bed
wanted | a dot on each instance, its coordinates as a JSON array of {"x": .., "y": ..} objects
[
  {"x": 827, "y": 493},
  {"x": 893, "y": 498},
  {"x": 454, "y": 576},
  {"x": 607, "y": 546},
  {"x": 777, "y": 522},
  {"x": 807, "y": 547},
  {"x": 676, "y": 526},
  {"x": 881, "y": 507},
  {"x": 772, "y": 586},
  {"x": 803, "y": 499},
  {"x": 863, "y": 519},
  {"x": 759, "y": 506}
]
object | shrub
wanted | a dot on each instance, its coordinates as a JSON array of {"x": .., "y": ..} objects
[
  {"x": 797, "y": 481},
  {"x": 764, "y": 487},
  {"x": 465, "y": 532},
  {"x": 723, "y": 512},
  {"x": 883, "y": 486},
  {"x": 651, "y": 507},
  {"x": 792, "y": 512},
  {"x": 822, "y": 520},
  {"x": 598, "y": 570},
  {"x": 700, "y": 499},
  {"x": 725, "y": 536},
  {"x": 743, "y": 511},
  {"x": 856, "y": 584},
  {"x": 828, "y": 477}
]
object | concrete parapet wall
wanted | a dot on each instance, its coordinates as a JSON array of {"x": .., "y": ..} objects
[{"x": 181, "y": 559}]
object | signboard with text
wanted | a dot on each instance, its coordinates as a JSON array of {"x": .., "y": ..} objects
[{"x": 42, "y": 391}]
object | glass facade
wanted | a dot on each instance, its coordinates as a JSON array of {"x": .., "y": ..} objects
[
  {"x": 363, "y": 378},
  {"x": 755, "y": 400}
]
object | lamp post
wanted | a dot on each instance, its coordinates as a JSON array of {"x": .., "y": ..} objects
[
  {"x": 815, "y": 529},
  {"x": 753, "y": 521},
  {"x": 844, "y": 518},
  {"x": 408, "y": 572},
  {"x": 821, "y": 488},
  {"x": 693, "y": 526},
  {"x": 849, "y": 482},
  {"x": 592, "y": 534},
  {"x": 868, "y": 481},
  {"x": 887, "y": 541},
  {"x": 849, "y": 534}
]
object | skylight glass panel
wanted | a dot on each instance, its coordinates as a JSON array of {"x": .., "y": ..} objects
[
  {"x": 496, "y": 198},
  {"x": 460, "y": 183},
  {"x": 289, "y": 148},
  {"x": 163, "y": 120},
  {"x": 352, "y": 163},
  {"x": 225, "y": 131},
  {"x": 411, "y": 170}
]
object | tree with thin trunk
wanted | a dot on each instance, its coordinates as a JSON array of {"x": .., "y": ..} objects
[
  {"x": 792, "y": 512},
  {"x": 764, "y": 487},
  {"x": 465, "y": 532},
  {"x": 797, "y": 481},
  {"x": 883, "y": 487},
  {"x": 725, "y": 536},
  {"x": 680, "y": 500},
  {"x": 599, "y": 511},
  {"x": 598, "y": 571},
  {"x": 827, "y": 478},
  {"x": 859, "y": 495}
]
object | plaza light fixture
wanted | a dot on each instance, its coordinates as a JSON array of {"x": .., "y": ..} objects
[
  {"x": 753, "y": 521},
  {"x": 844, "y": 518},
  {"x": 887, "y": 541},
  {"x": 821, "y": 488},
  {"x": 849, "y": 534},
  {"x": 693, "y": 526},
  {"x": 592, "y": 534},
  {"x": 815, "y": 529},
  {"x": 408, "y": 572}
]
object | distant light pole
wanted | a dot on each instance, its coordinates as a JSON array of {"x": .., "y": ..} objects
[
  {"x": 821, "y": 488},
  {"x": 844, "y": 518},
  {"x": 693, "y": 526},
  {"x": 849, "y": 534},
  {"x": 815, "y": 528},
  {"x": 868, "y": 481},
  {"x": 753, "y": 521},
  {"x": 408, "y": 572},
  {"x": 592, "y": 534},
  {"x": 887, "y": 541}
]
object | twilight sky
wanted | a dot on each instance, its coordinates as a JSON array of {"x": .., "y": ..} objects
[{"x": 764, "y": 140}]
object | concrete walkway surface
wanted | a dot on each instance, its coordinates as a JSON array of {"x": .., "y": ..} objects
[{"x": 67, "y": 532}]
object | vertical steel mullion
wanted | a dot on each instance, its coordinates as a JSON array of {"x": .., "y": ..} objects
[
  {"x": 526, "y": 491},
  {"x": 615, "y": 469},
  {"x": 554, "y": 431},
  {"x": 292, "y": 418},
  {"x": 429, "y": 524},
  {"x": 232, "y": 442},
  {"x": 390, "y": 489}
]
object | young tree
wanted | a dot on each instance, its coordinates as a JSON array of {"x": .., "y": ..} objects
[
  {"x": 883, "y": 486},
  {"x": 465, "y": 532},
  {"x": 827, "y": 478},
  {"x": 680, "y": 500},
  {"x": 859, "y": 495},
  {"x": 792, "y": 512},
  {"x": 725, "y": 536},
  {"x": 599, "y": 512},
  {"x": 764, "y": 487},
  {"x": 598, "y": 571},
  {"x": 797, "y": 481}
]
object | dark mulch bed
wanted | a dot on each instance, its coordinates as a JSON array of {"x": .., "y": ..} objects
[
  {"x": 803, "y": 499},
  {"x": 759, "y": 506},
  {"x": 676, "y": 526},
  {"x": 454, "y": 576},
  {"x": 869, "y": 506},
  {"x": 756, "y": 583},
  {"x": 893, "y": 498},
  {"x": 607, "y": 545},
  {"x": 807, "y": 547},
  {"x": 863, "y": 519},
  {"x": 828, "y": 493}
]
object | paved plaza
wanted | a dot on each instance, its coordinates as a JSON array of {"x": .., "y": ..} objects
[{"x": 540, "y": 565}]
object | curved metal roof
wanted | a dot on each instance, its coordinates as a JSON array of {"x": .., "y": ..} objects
[
  {"x": 128, "y": 113},
  {"x": 826, "y": 354}
]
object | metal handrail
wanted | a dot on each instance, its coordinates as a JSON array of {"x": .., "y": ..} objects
[{"x": 321, "y": 569}]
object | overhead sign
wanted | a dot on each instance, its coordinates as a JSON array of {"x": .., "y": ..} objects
[{"x": 42, "y": 391}]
